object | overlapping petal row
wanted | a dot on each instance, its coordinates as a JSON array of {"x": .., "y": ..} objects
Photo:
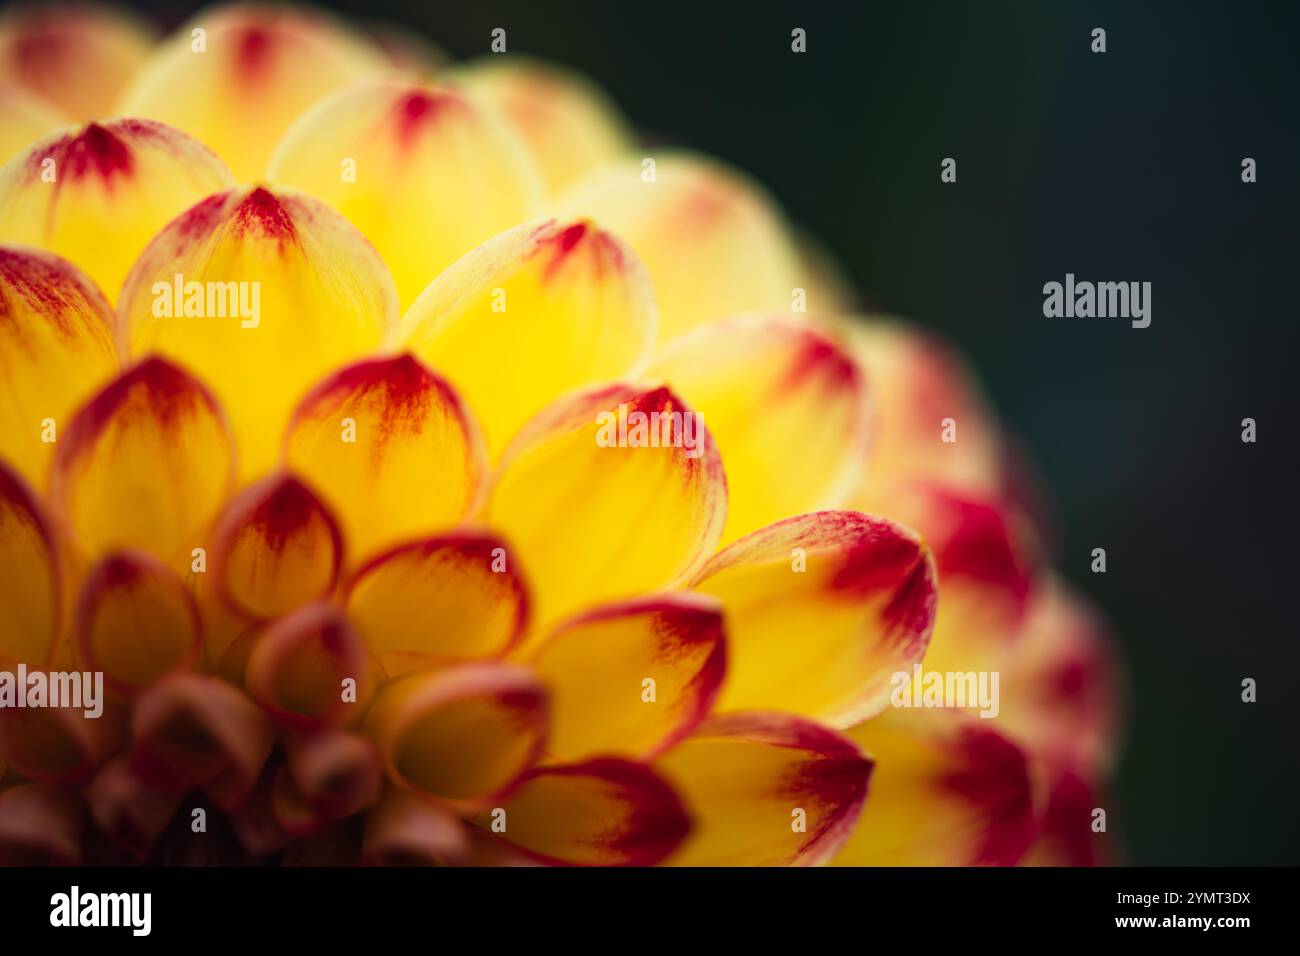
[{"x": 435, "y": 478}]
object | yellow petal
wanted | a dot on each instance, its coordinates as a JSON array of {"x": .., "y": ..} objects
[
  {"x": 631, "y": 678},
  {"x": 766, "y": 789},
  {"x": 275, "y": 547},
  {"x": 24, "y": 119},
  {"x": 713, "y": 241},
  {"x": 604, "y": 812},
  {"x": 261, "y": 65},
  {"x": 547, "y": 307},
  {"x": 146, "y": 465},
  {"x": 391, "y": 448},
  {"x": 423, "y": 171},
  {"x": 31, "y": 585},
  {"x": 604, "y": 512},
  {"x": 56, "y": 350},
  {"x": 464, "y": 733},
  {"x": 439, "y": 600},
  {"x": 114, "y": 186},
  {"x": 568, "y": 122},
  {"x": 79, "y": 57},
  {"x": 136, "y": 621},
  {"x": 786, "y": 404},
  {"x": 947, "y": 791},
  {"x": 822, "y": 610},
  {"x": 311, "y": 293}
]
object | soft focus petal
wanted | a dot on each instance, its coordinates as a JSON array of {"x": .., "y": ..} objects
[
  {"x": 327, "y": 776},
  {"x": 407, "y": 50},
  {"x": 125, "y": 807},
  {"x": 261, "y": 66},
  {"x": 31, "y": 582},
  {"x": 464, "y": 733},
  {"x": 61, "y": 745},
  {"x": 787, "y": 406},
  {"x": 713, "y": 241},
  {"x": 41, "y": 826},
  {"x": 24, "y": 119},
  {"x": 146, "y": 464},
  {"x": 275, "y": 547},
  {"x": 546, "y": 307},
  {"x": 311, "y": 295},
  {"x": 597, "y": 666},
  {"x": 1066, "y": 834},
  {"x": 56, "y": 350},
  {"x": 78, "y": 56},
  {"x": 439, "y": 600},
  {"x": 604, "y": 519},
  {"x": 948, "y": 791},
  {"x": 406, "y": 830},
  {"x": 114, "y": 186},
  {"x": 766, "y": 789},
  {"x": 822, "y": 610},
  {"x": 568, "y": 122},
  {"x": 604, "y": 812},
  {"x": 390, "y": 447},
  {"x": 136, "y": 620},
  {"x": 403, "y": 160}
]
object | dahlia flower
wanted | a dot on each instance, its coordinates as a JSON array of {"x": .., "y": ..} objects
[{"x": 435, "y": 476}]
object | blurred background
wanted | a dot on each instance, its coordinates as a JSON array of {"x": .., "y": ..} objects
[{"x": 1120, "y": 166}]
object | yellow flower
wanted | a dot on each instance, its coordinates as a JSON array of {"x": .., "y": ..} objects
[{"x": 463, "y": 489}]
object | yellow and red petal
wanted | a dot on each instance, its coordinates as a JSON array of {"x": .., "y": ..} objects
[
  {"x": 568, "y": 123},
  {"x": 31, "y": 587},
  {"x": 56, "y": 350},
  {"x": 948, "y": 791},
  {"x": 548, "y": 307},
  {"x": 603, "y": 812},
  {"x": 261, "y": 65},
  {"x": 787, "y": 405},
  {"x": 402, "y": 159},
  {"x": 275, "y": 547},
  {"x": 146, "y": 464},
  {"x": 713, "y": 241},
  {"x": 610, "y": 504},
  {"x": 136, "y": 621},
  {"x": 766, "y": 789},
  {"x": 1067, "y": 820},
  {"x": 41, "y": 826},
  {"x": 78, "y": 56},
  {"x": 445, "y": 599},
  {"x": 822, "y": 610},
  {"x": 97, "y": 194},
  {"x": 260, "y": 293},
  {"x": 391, "y": 448},
  {"x": 24, "y": 119},
  {"x": 464, "y": 734}
]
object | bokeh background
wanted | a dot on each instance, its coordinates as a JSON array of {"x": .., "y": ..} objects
[{"x": 1122, "y": 166}]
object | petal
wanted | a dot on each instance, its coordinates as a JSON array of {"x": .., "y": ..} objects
[
  {"x": 439, "y": 600},
  {"x": 56, "y": 350},
  {"x": 464, "y": 734},
  {"x": 567, "y": 121},
  {"x": 547, "y": 307},
  {"x": 126, "y": 808},
  {"x": 41, "y": 826},
  {"x": 136, "y": 621},
  {"x": 403, "y": 159},
  {"x": 713, "y": 241},
  {"x": 948, "y": 791},
  {"x": 787, "y": 406},
  {"x": 300, "y": 669},
  {"x": 822, "y": 610},
  {"x": 766, "y": 789},
  {"x": 336, "y": 771},
  {"x": 145, "y": 465},
  {"x": 115, "y": 185},
  {"x": 31, "y": 585},
  {"x": 250, "y": 82},
  {"x": 79, "y": 57},
  {"x": 275, "y": 547},
  {"x": 309, "y": 294},
  {"x": 596, "y": 667},
  {"x": 605, "y": 812},
  {"x": 24, "y": 119},
  {"x": 405, "y": 830},
  {"x": 61, "y": 745},
  {"x": 1066, "y": 836},
  {"x": 390, "y": 447},
  {"x": 608, "y": 515}
]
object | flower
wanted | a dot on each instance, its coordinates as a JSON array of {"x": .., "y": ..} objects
[{"x": 430, "y": 484}]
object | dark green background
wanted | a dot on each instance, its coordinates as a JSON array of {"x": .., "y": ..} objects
[{"x": 1122, "y": 166}]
